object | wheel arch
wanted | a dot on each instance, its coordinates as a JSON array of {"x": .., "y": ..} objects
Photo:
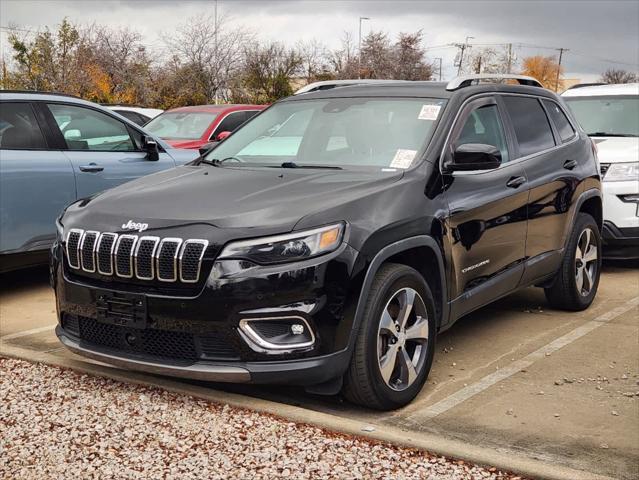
[{"x": 423, "y": 254}]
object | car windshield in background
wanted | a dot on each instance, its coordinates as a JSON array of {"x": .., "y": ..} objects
[
  {"x": 607, "y": 116},
  {"x": 367, "y": 132},
  {"x": 181, "y": 125}
]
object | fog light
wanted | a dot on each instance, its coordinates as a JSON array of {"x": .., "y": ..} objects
[
  {"x": 297, "y": 329},
  {"x": 277, "y": 335}
]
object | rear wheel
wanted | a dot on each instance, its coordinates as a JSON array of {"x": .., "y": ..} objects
[
  {"x": 396, "y": 341},
  {"x": 575, "y": 286}
]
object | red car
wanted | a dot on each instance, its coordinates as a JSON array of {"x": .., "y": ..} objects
[{"x": 194, "y": 127}]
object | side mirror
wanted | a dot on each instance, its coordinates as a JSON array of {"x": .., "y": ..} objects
[
  {"x": 475, "y": 156},
  {"x": 222, "y": 135},
  {"x": 150, "y": 146},
  {"x": 72, "y": 134}
]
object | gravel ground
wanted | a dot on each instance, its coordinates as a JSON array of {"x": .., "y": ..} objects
[{"x": 59, "y": 424}]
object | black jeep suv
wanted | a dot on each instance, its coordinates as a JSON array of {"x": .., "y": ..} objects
[{"x": 329, "y": 240}]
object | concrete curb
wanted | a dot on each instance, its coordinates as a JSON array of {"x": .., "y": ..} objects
[{"x": 504, "y": 460}]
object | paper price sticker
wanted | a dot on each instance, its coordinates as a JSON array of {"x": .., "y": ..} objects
[
  {"x": 429, "y": 112},
  {"x": 403, "y": 158}
]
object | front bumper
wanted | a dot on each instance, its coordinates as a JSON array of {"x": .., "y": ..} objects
[
  {"x": 620, "y": 243},
  {"x": 205, "y": 323}
]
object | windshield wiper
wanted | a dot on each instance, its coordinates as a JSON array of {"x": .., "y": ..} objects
[
  {"x": 607, "y": 134},
  {"x": 297, "y": 165},
  {"x": 216, "y": 162}
]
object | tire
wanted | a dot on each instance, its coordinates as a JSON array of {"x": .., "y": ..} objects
[
  {"x": 565, "y": 293},
  {"x": 364, "y": 382}
]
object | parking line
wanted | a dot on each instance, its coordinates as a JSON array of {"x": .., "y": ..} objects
[
  {"x": 27, "y": 332},
  {"x": 508, "y": 371}
]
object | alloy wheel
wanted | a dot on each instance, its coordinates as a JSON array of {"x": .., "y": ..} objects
[
  {"x": 402, "y": 338},
  {"x": 586, "y": 262}
]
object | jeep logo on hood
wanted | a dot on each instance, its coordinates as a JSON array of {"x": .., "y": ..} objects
[{"x": 131, "y": 225}]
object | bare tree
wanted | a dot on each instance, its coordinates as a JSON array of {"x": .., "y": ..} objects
[
  {"x": 315, "y": 60},
  {"x": 377, "y": 53},
  {"x": 343, "y": 61},
  {"x": 613, "y": 75},
  {"x": 409, "y": 58},
  {"x": 489, "y": 60},
  {"x": 211, "y": 52}
]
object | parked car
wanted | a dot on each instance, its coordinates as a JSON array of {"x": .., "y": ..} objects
[
  {"x": 199, "y": 126},
  {"x": 333, "y": 260},
  {"x": 610, "y": 115},
  {"x": 55, "y": 149},
  {"x": 137, "y": 114}
]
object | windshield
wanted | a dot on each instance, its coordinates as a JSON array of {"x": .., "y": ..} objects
[
  {"x": 181, "y": 125},
  {"x": 367, "y": 132},
  {"x": 607, "y": 116}
]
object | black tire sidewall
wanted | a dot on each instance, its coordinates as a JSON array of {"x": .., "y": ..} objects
[
  {"x": 398, "y": 279},
  {"x": 583, "y": 221}
]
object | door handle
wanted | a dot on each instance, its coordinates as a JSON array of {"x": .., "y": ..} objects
[
  {"x": 91, "y": 167},
  {"x": 515, "y": 182},
  {"x": 570, "y": 164}
]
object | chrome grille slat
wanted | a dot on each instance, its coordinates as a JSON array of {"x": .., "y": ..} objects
[
  {"x": 131, "y": 256},
  {"x": 73, "y": 245},
  {"x": 191, "y": 260},
  {"x": 144, "y": 255},
  {"x": 104, "y": 253},
  {"x": 87, "y": 250},
  {"x": 124, "y": 257},
  {"x": 166, "y": 258}
]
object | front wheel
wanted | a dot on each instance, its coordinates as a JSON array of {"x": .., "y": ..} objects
[
  {"x": 396, "y": 341},
  {"x": 575, "y": 285}
]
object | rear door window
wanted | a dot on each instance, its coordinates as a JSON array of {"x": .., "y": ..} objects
[
  {"x": 558, "y": 117},
  {"x": 19, "y": 129},
  {"x": 530, "y": 123},
  {"x": 87, "y": 129}
]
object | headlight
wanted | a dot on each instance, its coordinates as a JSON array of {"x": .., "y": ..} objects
[
  {"x": 619, "y": 172},
  {"x": 287, "y": 248}
]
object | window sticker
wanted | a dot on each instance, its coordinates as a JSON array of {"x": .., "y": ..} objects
[
  {"x": 429, "y": 112},
  {"x": 403, "y": 158}
]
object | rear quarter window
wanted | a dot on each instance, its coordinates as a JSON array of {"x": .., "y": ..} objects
[{"x": 558, "y": 117}]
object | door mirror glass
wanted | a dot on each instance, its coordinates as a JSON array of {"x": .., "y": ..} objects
[
  {"x": 475, "y": 156},
  {"x": 150, "y": 146}
]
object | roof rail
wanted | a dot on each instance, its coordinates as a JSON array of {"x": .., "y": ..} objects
[
  {"x": 328, "y": 84},
  {"x": 39, "y": 92},
  {"x": 468, "y": 80}
]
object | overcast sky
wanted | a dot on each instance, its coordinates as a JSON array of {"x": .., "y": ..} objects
[{"x": 599, "y": 34}]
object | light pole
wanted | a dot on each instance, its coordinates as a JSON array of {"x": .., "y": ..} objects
[
  {"x": 461, "y": 55},
  {"x": 359, "y": 48},
  {"x": 440, "y": 67}
]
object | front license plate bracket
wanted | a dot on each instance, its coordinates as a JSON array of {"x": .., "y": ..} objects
[{"x": 123, "y": 309}]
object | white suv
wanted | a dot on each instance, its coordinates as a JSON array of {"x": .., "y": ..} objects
[{"x": 610, "y": 115}]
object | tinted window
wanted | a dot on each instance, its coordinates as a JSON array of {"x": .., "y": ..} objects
[
  {"x": 230, "y": 123},
  {"x": 483, "y": 126},
  {"x": 560, "y": 120},
  {"x": 87, "y": 129},
  {"x": 530, "y": 123},
  {"x": 19, "y": 128}
]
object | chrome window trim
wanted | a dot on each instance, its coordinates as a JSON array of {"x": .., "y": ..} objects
[
  {"x": 81, "y": 248},
  {"x": 117, "y": 249},
  {"x": 81, "y": 232},
  {"x": 134, "y": 254},
  {"x": 259, "y": 344},
  {"x": 205, "y": 243},
  {"x": 97, "y": 250},
  {"x": 176, "y": 255}
]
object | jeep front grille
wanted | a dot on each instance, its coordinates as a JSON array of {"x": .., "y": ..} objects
[{"x": 130, "y": 256}]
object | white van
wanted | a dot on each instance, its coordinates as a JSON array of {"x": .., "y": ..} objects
[{"x": 610, "y": 115}]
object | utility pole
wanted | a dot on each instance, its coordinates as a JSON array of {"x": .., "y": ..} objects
[
  {"x": 561, "y": 53},
  {"x": 440, "y": 68},
  {"x": 359, "y": 48},
  {"x": 463, "y": 47},
  {"x": 217, "y": 60},
  {"x": 510, "y": 57}
]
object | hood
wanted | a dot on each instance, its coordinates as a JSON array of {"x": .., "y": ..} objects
[
  {"x": 268, "y": 199},
  {"x": 185, "y": 143},
  {"x": 617, "y": 149}
]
